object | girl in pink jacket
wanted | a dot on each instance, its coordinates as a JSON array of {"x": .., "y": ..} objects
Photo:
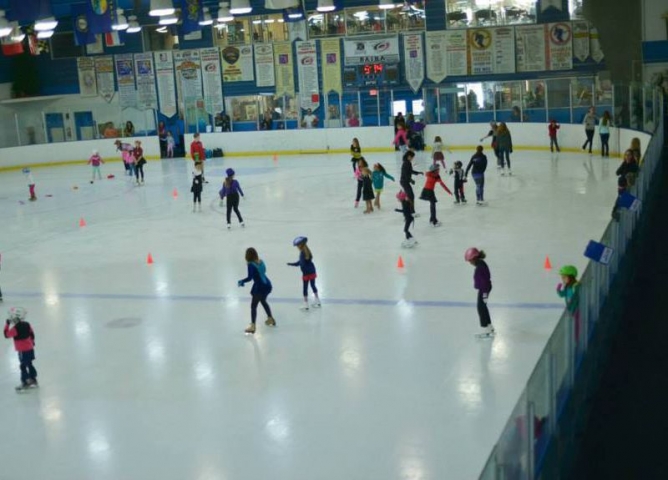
[
  {"x": 401, "y": 139},
  {"x": 21, "y": 332},
  {"x": 95, "y": 160}
]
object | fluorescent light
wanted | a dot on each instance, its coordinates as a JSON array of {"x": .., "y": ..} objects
[
  {"x": 257, "y": 22},
  {"x": 133, "y": 25},
  {"x": 224, "y": 14},
  {"x": 121, "y": 22},
  {"x": 280, "y": 20},
  {"x": 326, "y": 6},
  {"x": 168, "y": 20},
  {"x": 295, "y": 15},
  {"x": 206, "y": 18},
  {"x": 240, "y": 7},
  {"x": 161, "y": 29},
  {"x": 48, "y": 23},
  {"x": 386, "y": 4},
  {"x": 44, "y": 34},
  {"x": 160, "y": 8}
]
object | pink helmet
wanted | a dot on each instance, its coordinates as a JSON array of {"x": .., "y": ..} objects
[
  {"x": 401, "y": 196},
  {"x": 471, "y": 254}
]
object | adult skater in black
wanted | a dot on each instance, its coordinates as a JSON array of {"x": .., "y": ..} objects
[
  {"x": 478, "y": 165},
  {"x": 406, "y": 179}
]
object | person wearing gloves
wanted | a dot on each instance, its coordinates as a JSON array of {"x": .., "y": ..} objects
[
  {"x": 231, "y": 189},
  {"x": 305, "y": 263},
  {"x": 21, "y": 332},
  {"x": 257, "y": 272}
]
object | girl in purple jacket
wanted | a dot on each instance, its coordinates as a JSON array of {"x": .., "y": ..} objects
[
  {"x": 482, "y": 281},
  {"x": 231, "y": 189}
]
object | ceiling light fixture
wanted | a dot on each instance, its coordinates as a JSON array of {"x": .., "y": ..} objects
[
  {"x": 160, "y": 8},
  {"x": 206, "y": 18},
  {"x": 386, "y": 5},
  {"x": 5, "y": 27},
  {"x": 240, "y": 7},
  {"x": 121, "y": 23},
  {"x": 133, "y": 25},
  {"x": 44, "y": 34},
  {"x": 326, "y": 6},
  {"x": 168, "y": 20},
  {"x": 224, "y": 14},
  {"x": 48, "y": 23}
]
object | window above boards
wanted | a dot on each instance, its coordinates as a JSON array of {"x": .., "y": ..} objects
[
  {"x": 478, "y": 13},
  {"x": 253, "y": 29}
]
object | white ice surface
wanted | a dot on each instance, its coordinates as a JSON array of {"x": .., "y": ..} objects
[{"x": 145, "y": 371}]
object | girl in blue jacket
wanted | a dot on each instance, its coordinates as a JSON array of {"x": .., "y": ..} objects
[
  {"x": 260, "y": 290},
  {"x": 305, "y": 263}
]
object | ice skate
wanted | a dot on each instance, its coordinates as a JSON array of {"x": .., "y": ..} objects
[
  {"x": 92, "y": 182},
  {"x": 251, "y": 329},
  {"x": 194, "y": 207},
  {"x": 229, "y": 227},
  {"x": 24, "y": 387},
  {"x": 357, "y": 204},
  {"x": 406, "y": 244},
  {"x": 416, "y": 215},
  {"x": 457, "y": 202},
  {"x": 487, "y": 332},
  {"x": 221, "y": 203},
  {"x": 503, "y": 172},
  {"x": 463, "y": 201},
  {"x": 316, "y": 304},
  {"x": 510, "y": 173},
  {"x": 436, "y": 224},
  {"x": 270, "y": 322},
  {"x": 243, "y": 225},
  {"x": 304, "y": 307}
]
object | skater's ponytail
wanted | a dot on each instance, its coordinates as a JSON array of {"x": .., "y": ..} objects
[
  {"x": 307, "y": 252},
  {"x": 481, "y": 255},
  {"x": 381, "y": 168}
]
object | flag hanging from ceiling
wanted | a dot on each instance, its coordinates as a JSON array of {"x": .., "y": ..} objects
[
  {"x": 280, "y": 4},
  {"x": 28, "y": 10},
  {"x": 114, "y": 39},
  {"x": 98, "y": 14},
  {"x": 82, "y": 33},
  {"x": 191, "y": 15}
]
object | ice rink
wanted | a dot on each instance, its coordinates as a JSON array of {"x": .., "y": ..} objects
[{"x": 146, "y": 373}]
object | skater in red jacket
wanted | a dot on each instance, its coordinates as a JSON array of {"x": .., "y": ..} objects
[
  {"x": 24, "y": 342},
  {"x": 432, "y": 177}
]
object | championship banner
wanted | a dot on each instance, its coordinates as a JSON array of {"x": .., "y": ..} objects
[
  {"x": 413, "y": 60},
  {"x": 330, "y": 53},
  {"x": 213, "y": 84},
  {"x": 378, "y": 50},
  {"x": 530, "y": 48},
  {"x": 285, "y": 82},
  {"x": 491, "y": 50},
  {"x": 191, "y": 15},
  {"x": 238, "y": 63},
  {"x": 104, "y": 76},
  {"x": 436, "y": 56},
  {"x": 189, "y": 75},
  {"x": 147, "y": 97},
  {"x": 560, "y": 46},
  {"x": 125, "y": 77},
  {"x": 456, "y": 51},
  {"x": 580, "y": 40},
  {"x": 307, "y": 71},
  {"x": 595, "y": 46},
  {"x": 87, "y": 80},
  {"x": 264, "y": 65},
  {"x": 164, "y": 71}
]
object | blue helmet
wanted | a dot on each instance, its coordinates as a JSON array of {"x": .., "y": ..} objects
[
  {"x": 229, "y": 172},
  {"x": 299, "y": 241}
]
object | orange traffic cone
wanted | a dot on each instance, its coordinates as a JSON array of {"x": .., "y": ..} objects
[
  {"x": 400, "y": 262},
  {"x": 275, "y": 158},
  {"x": 82, "y": 222},
  {"x": 548, "y": 264},
  {"x": 175, "y": 193},
  {"x": 149, "y": 259}
]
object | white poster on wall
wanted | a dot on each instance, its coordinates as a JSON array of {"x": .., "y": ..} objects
[
  {"x": 212, "y": 81},
  {"x": 595, "y": 46},
  {"x": 283, "y": 65},
  {"x": 104, "y": 77},
  {"x": 238, "y": 63},
  {"x": 164, "y": 70},
  {"x": 436, "y": 56},
  {"x": 530, "y": 48},
  {"x": 125, "y": 77},
  {"x": 481, "y": 51},
  {"x": 456, "y": 61},
  {"x": 87, "y": 80},
  {"x": 264, "y": 65},
  {"x": 413, "y": 60},
  {"x": 378, "y": 50},
  {"x": 147, "y": 96},
  {"x": 307, "y": 70},
  {"x": 189, "y": 74},
  {"x": 581, "y": 40},
  {"x": 560, "y": 42},
  {"x": 503, "y": 47}
]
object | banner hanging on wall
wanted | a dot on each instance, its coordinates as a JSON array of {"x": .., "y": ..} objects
[
  {"x": 492, "y": 50},
  {"x": 285, "y": 82},
  {"x": 456, "y": 51},
  {"x": 413, "y": 60},
  {"x": 213, "y": 83},
  {"x": 104, "y": 76},
  {"x": 238, "y": 63},
  {"x": 595, "y": 46},
  {"x": 307, "y": 71},
  {"x": 87, "y": 80},
  {"x": 581, "y": 40},
  {"x": 378, "y": 50},
  {"x": 530, "y": 48},
  {"x": 264, "y": 65},
  {"x": 164, "y": 71},
  {"x": 147, "y": 96},
  {"x": 125, "y": 77},
  {"x": 436, "y": 56},
  {"x": 560, "y": 46},
  {"x": 330, "y": 60},
  {"x": 189, "y": 75}
]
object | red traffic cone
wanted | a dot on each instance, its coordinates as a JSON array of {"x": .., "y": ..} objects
[
  {"x": 82, "y": 222},
  {"x": 400, "y": 262},
  {"x": 275, "y": 158},
  {"x": 548, "y": 264},
  {"x": 175, "y": 193},
  {"x": 149, "y": 259}
]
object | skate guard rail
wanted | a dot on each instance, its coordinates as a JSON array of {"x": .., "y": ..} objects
[{"x": 538, "y": 417}]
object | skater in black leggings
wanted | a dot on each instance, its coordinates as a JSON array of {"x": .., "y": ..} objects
[
  {"x": 477, "y": 166},
  {"x": 260, "y": 290},
  {"x": 406, "y": 179},
  {"x": 196, "y": 188},
  {"x": 359, "y": 167},
  {"x": 590, "y": 127},
  {"x": 482, "y": 281},
  {"x": 408, "y": 219},
  {"x": 231, "y": 189},
  {"x": 140, "y": 161}
]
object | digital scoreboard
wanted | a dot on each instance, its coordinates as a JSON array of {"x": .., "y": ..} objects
[{"x": 371, "y": 75}]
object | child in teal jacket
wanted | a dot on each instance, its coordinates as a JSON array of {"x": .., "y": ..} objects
[
  {"x": 569, "y": 290},
  {"x": 378, "y": 178}
]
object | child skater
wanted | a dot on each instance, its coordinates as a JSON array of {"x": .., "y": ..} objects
[
  {"x": 552, "y": 129},
  {"x": 356, "y": 152},
  {"x": 361, "y": 165},
  {"x": 406, "y": 179},
  {"x": 24, "y": 343},
  {"x": 401, "y": 139},
  {"x": 196, "y": 188},
  {"x": 378, "y": 177},
  {"x": 482, "y": 281},
  {"x": 31, "y": 184},
  {"x": 460, "y": 179},
  {"x": 170, "y": 145},
  {"x": 305, "y": 263},
  {"x": 568, "y": 290},
  {"x": 140, "y": 161},
  {"x": 437, "y": 152},
  {"x": 231, "y": 189},
  {"x": 478, "y": 165},
  {"x": 432, "y": 177},
  {"x": 367, "y": 189},
  {"x": 197, "y": 152},
  {"x": 95, "y": 160},
  {"x": 260, "y": 290},
  {"x": 407, "y": 210}
]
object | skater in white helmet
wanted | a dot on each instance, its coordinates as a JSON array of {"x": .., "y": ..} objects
[
  {"x": 24, "y": 342},
  {"x": 482, "y": 281}
]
